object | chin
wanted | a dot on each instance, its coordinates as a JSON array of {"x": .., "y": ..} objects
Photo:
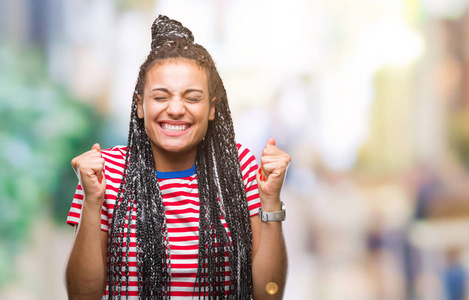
[{"x": 176, "y": 148}]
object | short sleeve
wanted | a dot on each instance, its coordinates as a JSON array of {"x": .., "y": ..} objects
[
  {"x": 113, "y": 169},
  {"x": 249, "y": 170},
  {"x": 74, "y": 215}
]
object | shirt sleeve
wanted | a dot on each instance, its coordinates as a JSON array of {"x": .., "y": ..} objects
[
  {"x": 249, "y": 169},
  {"x": 74, "y": 215}
]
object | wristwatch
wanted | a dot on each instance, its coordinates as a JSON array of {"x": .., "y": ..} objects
[{"x": 273, "y": 216}]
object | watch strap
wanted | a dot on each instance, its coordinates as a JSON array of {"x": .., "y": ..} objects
[{"x": 273, "y": 216}]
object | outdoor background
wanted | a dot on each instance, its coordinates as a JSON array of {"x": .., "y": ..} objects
[{"x": 370, "y": 98}]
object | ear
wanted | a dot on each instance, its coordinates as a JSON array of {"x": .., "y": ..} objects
[
  {"x": 211, "y": 116},
  {"x": 139, "y": 106}
]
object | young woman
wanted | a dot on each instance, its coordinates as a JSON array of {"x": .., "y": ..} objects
[{"x": 182, "y": 212}]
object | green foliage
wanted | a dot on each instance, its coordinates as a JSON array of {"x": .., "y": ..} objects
[
  {"x": 124, "y": 5},
  {"x": 42, "y": 127},
  {"x": 458, "y": 135}
]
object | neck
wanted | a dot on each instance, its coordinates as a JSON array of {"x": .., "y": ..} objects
[{"x": 171, "y": 162}]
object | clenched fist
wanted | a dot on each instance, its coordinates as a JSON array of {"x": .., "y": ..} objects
[
  {"x": 271, "y": 175},
  {"x": 89, "y": 168}
]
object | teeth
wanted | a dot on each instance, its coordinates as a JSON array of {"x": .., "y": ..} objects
[{"x": 170, "y": 127}]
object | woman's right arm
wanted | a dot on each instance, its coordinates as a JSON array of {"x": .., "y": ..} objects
[{"x": 86, "y": 273}]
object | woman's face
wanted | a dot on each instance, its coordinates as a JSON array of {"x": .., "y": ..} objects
[{"x": 176, "y": 107}]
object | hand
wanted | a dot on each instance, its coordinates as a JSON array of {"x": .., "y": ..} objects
[
  {"x": 271, "y": 174},
  {"x": 89, "y": 168}
]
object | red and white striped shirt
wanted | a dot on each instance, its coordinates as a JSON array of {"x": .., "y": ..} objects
[{"x": 181, "y": 201}]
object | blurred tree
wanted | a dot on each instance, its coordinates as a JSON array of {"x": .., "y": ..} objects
[
  {"x": 132, "y": 4},
  {"x": 42, "y": 127},
  {"x": 458, "y": 135}
]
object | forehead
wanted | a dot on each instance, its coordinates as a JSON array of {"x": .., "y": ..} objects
[{"x": 177, "y": 70}]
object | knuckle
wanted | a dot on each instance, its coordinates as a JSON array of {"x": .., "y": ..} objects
[{"x": 78, "y": 163}]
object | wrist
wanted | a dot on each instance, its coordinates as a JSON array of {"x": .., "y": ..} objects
[
  {"x": 277, "y": 215},
  {"x": 92, "y": 205},
  {"x": 270, "y": 205}
]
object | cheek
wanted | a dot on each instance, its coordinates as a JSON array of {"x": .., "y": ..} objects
[
  {"x": 204, "y": 129},
  {"x": 146, "y": 110},
  {"x": 147, "y": 127},
  {"x": 151, "y": 110},
  {"x": 150, "y": 113}
]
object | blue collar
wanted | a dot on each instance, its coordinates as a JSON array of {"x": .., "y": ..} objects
[{"x": 176, "y": 174}]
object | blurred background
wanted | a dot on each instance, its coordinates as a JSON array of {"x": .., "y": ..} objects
[{"x": 370, "y": 97}]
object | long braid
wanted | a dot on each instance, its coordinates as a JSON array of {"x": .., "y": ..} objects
[
  {"x": 115, "y": 239},
  {"x": 231, "y": 189},
  {"x": 213, "y": 238},
  {"x": 139, "y": 191},
  {"x": 220, "y": 185}
]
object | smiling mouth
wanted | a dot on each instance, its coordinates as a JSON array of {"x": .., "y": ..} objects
[{"x": 170, "y": 127}]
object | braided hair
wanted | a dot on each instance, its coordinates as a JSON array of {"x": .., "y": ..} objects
[{"x": 220, "y": 185}]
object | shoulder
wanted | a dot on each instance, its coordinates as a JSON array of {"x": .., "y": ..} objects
[
  {"x": 245, "y": 155},
  {"x": 114, "y": 157},
  {"x": 247, "y": 160},
  {"x": 116, "y": 151}
]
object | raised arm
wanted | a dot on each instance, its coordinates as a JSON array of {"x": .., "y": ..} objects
[
  {"x": 86, "y": 271},
  {"x": 269, "y": 263}
]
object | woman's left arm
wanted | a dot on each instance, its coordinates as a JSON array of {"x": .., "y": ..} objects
[{"x": 269, "y": 255}]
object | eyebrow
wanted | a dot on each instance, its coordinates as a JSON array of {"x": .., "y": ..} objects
[{"x": 185, "y": 92}]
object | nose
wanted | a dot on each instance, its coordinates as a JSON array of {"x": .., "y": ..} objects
[{"x": 176, "y": 108}]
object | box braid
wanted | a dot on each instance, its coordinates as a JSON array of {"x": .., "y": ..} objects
[{"x": 220, "y": 185}]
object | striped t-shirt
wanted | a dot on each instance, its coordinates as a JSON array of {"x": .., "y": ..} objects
[{"x": 181, "y": 201}]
